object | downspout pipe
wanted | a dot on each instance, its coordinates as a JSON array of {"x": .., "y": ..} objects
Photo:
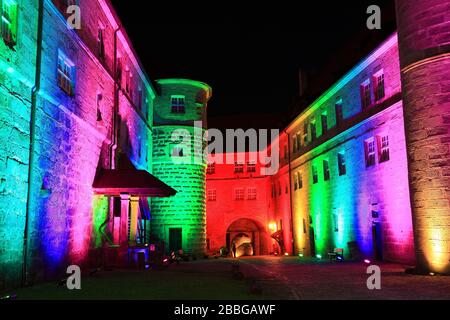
[
  {"x": 290, "y": 190},
  {"x": 114, "y": 138},
  {"x": 34, "y": 93}
]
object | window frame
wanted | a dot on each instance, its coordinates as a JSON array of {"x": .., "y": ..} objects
[
  {"x": 12, "y": 20},
  {"x": 370, "y": 155},
  {"x": 178, "y": 104},
  {"x": 366, "y": 94},
  {"x": 342, "y": 167},
  {"x": 65, "y": 76},
  {"x": 383, "y": 148}
]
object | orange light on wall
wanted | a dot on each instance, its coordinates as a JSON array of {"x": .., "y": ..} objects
[{"x": 273, "y": 226}]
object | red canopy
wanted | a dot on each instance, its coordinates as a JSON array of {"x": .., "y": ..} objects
[{"x": 127, "y": 179}]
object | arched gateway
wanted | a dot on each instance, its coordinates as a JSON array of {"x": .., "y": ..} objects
[{"x": 248, "y": 237}]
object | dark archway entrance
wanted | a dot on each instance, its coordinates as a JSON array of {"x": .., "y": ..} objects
[{"x": 248, "y": 237}]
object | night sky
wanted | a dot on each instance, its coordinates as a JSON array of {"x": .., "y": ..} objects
[{"x": 251, "y": 55}]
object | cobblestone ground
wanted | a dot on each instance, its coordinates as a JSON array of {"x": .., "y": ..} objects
[
  {"x": 319, "y": 279},
  {"x": 265, "y": 278}
]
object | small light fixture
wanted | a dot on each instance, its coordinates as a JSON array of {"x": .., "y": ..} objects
[
  {"x": 286, "y": 253},
  {"x": 300, "y": 255},
  {"x": 318, "y": 256},
  {"x": 367, "y": 261}
]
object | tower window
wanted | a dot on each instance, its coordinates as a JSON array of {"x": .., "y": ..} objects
[
  {"x": 341, "y": 164},
  {"x": 238, "y": 167},
  {"x": 178, "y": 104},
  {"x": 211, "y": 169},
  {"x": 66, "y": 74},
  {"x": 326, "y": 170},
  {"x": 212, "y": 195},
  {"x": 315, "y": 175},
  {"x": 251, "y": 166},
  {"x": 9, "y": 22},
  {"x": 239, "y": 194},
  {"x": 300, "y": 180},
  {"x": 383, "y": 143},
  {"x": 251, "y": 193},
  {"x": 366, "y": 97},
  {"x": 378, "y": 80},
  {"x": 370, "y": 152}
]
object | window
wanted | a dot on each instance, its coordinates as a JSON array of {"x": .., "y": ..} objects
[
  {"x": 139, "y": 102},
  {"x": 285, "y": 152},
  {"x": 324, "y": 123},
  {"x": 295, "y": 181},
  {"x": 326, "y": 170},
  {"x": 370, "y": 152},
  {"x": 383, "y": 146},
  {"x": 299, "y": 142},
  {"x": 304, "y": 225},
  {"x": 100, "y": 43},
  {"x": 239, "y": 194},
  {"x": 335, "y": 222},
  {"x": 177, "y": 152},
  {"x": 212, "y": 195},
  {"x": 366, "y": 98},
  {"x": 378, "y": 80},
  {"x": 305, "y": 134},
  {"x": 211, "y": 169},
  {"x": 119, "y": 70},
  {"x": 339, "y": 113},
  {"x": 178, "y": 104},
  {"x": 341, "y": 164},
  {"x": 315, "y": 174},
  {"x": 273, "y": 190},
  {"x": 313, "y": 131},
  {"x": 294, "y": 147},
  {"x": 238, "y": 167},
  {"x": 251, "y": 166},
  {"x": 66, "y": 74},
  {"x": 300, "y": 180},
  {"x": 9, "y": 22},
  {"x": 251, "y": 193},
  {"x": 127, "y": 79}
]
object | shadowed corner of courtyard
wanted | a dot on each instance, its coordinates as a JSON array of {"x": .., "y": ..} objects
[{"x": 250, "y": 278}]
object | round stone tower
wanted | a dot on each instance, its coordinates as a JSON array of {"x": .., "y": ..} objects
[
  {"x": 424, "y": 45},
  {"x": 178, "y": 144}
]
